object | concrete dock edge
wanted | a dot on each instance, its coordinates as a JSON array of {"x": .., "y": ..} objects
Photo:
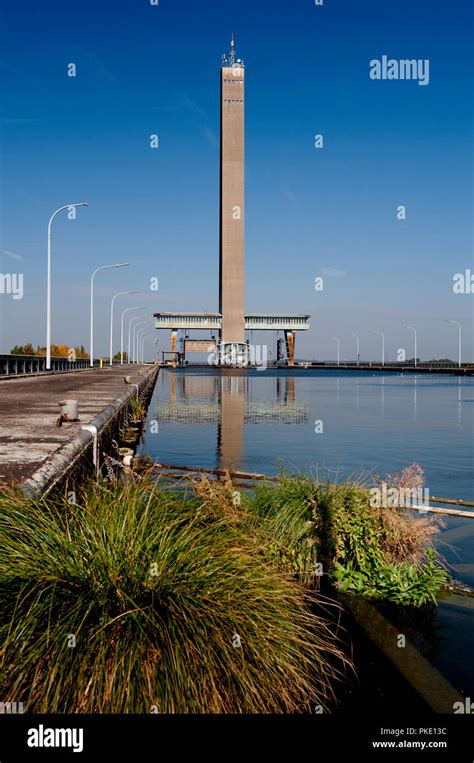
[{"x": 77, "y": 455}]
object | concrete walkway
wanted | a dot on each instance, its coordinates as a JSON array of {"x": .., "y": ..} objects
[{"x": 29, "y": 411}]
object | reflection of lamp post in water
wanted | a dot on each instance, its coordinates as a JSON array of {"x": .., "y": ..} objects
[
  {"x": 414, "y": 398},
  {"x": 459, "y": 400}
]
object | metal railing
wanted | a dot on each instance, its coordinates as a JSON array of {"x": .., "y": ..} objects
[{"x": 14, "y": 365}]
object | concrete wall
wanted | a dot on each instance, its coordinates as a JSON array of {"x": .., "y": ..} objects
[{"x": 83, "y": 455}]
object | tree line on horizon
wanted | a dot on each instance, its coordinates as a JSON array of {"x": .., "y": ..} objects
[
  {"x": 57, "y": 350},
  {"x": 60, "y": 351}
]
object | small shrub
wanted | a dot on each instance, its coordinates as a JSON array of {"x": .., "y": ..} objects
[{"x": 381, "y": 553}]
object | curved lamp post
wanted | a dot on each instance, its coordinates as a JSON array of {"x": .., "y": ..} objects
[
  {"x": 135, "y": 331},
  {"x": 144, "y": 338},
  {"x": 141, "y": 333},
  {"x": 119, "y": 294},
  {"x": 374, "y": 331},
  {"x": 358, "y": 346},
  {"x": 48, "y": 297},
  {"x": 412, "y": 328},
  {"x": 127, "y": 310},
  {"x": 103, "y": 267},
  {"x": 459, "y": 339},
  {"x": 130, "y": 337}
]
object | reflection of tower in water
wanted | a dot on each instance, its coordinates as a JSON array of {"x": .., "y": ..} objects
[
  {"x": 230, "y": 429},
  {"x": 285, "y": 388},
  {"x": 229, "y": 399}
]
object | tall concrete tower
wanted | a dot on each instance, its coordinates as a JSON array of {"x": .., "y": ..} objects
[
  {"x": 231, "y": 244},
  {"x": 232, "y": 349}
]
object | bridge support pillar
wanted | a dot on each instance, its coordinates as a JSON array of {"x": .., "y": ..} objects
[
  {"x": 174, "y": 334},
  {"x": 290, "y": 337}
]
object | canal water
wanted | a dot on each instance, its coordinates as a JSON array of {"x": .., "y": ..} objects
[{"x": 335, "y": 425}]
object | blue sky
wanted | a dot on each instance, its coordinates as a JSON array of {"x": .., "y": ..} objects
[{"x": 145, "y": 70}]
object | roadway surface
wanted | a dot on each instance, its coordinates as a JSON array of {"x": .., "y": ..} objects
[{"x": 29, "y": 411}]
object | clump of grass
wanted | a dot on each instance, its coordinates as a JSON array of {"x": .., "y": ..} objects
[
  {"x": 137, "y": 409},
  {"x": 381, "y": 553},
  {"x": 133, "y": 599},
  {"x": 289, "y": 520}
]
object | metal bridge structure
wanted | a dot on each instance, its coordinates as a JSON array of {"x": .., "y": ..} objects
[{"x": 289, "y": 324}]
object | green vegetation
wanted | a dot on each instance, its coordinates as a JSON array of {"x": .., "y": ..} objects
[
  {"x": 57, "y": 351},
  {"x": 381, "y": 553},
  {"x": 135, "y": 598},
  {"x": 138, "y": 598},
  {"x": 118, "y": 357},
  {"x": 138, "y": 410},
  {"x": 129, "y": 432},
  {"x": 23, "y": 349}
]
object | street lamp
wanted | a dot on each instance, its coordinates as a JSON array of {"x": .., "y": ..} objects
[
  {"x": 129, "y": 351},
  {"x": 142, "y": 337},
  {"x": 103, "y": 267},
  {"x": 154, "y": 340},
  {"x": 140, "y": 346},
  {"x": 460, "y": 339},
  {"x": 119, "y": 294},
  {"x": 121, "y": 332},
  {"x": 358, "y": 346},
  {"x": 138, "y": 342},
  {"x": 374, "y": 331},
  {"x": 141, "y": 333},
  {"x": 414, "y": 331},
  {"x": 135, "y": 332},
  {"x": 338, "y": 347},
  {"x": 135, "y": 338},
  {"x": 147, "y": 336},
  {"x": 48, "y": 298}
]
